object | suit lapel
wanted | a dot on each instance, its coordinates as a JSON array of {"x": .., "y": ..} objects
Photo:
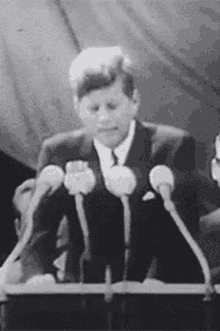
[
  {"x": 140, "y": 149},
  {"x": 89, "y": 153},
  {"x": 140, "y": 158}
]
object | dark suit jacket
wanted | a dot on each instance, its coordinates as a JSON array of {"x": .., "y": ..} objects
[{"x": 153, "y": 231}]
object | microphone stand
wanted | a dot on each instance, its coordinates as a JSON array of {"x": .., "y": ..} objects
[
  {"x": 170, "y": 207},
  {"x": 78, "y": 182},
  {"x": 121, "y": 182},
  {"x": 85, "y": 230},
  {"x": 127, "y": 232},
  {"x": 108, "y": 296},
  {"x": 86, "y": 253},
  {"x": 209, "y": 289}
]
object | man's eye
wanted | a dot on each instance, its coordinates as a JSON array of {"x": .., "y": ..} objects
[
  {"x": 112, "y": 106},
  {"x": 95, "y": 109}
]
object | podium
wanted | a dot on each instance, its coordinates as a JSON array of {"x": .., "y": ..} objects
[{"x": 83, "y": 307}]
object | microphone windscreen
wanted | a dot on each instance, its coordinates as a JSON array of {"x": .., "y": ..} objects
[
  {"x": 161, "y": 174},
  {"x": 51, "y": 174},
  {"x": 120, "y": 180}
]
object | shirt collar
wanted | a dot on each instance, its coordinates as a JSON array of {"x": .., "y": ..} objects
[
  {"x": 122, "y": 150},
  {"x": 124, "y": 147}
]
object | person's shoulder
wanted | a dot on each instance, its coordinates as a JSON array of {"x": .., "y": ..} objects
[
  {"x": 166, "y": 131},
  {"x": 63, "y": 139}
]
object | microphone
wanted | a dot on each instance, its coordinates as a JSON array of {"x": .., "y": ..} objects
[
  {"x": 50, "y": 178},
  {"x": 121, "y": 182},
  {"x": 79, "y": 180},
  {"x": 162, "y": 180}
]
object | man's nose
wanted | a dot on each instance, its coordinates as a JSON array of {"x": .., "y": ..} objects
[{"x": 103, "y": 115}]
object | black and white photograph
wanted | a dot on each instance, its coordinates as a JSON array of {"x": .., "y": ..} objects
[{"x": 110, "y": 165}]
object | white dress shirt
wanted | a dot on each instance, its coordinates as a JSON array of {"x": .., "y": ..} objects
[{"x": 121, "y": 151}]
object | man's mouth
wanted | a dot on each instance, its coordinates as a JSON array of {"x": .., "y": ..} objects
[{"x": 106, "y": 130}]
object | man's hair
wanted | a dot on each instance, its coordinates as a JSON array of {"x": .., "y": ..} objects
[{"x": 100, "y": 67}]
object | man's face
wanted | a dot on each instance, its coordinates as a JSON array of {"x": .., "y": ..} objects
[{"x": 107, "y": 114}]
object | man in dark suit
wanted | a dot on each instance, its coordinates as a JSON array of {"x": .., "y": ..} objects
[{"x": 107, "y": 103}]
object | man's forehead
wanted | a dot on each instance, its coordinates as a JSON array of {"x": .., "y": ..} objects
[{"x": 114, "y": 92}]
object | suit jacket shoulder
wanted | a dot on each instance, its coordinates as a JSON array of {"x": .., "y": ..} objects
[
  {"x": 177, "y": 149},
  {"x": 170, "y": 139},
  {"x": 163, "y": 130},
  {"x": 55, "y": 149},
  {"x": 64, "y": 138}
]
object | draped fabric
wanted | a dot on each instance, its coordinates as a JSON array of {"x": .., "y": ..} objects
[{"x": 174, "y": 45}]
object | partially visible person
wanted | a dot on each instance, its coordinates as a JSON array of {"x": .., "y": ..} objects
[{"x": 21, "y": 201}]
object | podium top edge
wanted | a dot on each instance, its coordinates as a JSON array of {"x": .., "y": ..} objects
[{"x": 132, "y": 288}]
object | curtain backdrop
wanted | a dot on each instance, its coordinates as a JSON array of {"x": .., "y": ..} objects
[{"x": 174, "y": 45}]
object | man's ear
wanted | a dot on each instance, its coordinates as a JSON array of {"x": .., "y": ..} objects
[
  {"x": 136, "y": 100},
  {"x": 75, "y": 102},
  {"x": 136, "y": 97}
]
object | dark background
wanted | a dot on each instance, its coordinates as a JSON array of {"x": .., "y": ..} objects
[{"x": 13, "y": 173}]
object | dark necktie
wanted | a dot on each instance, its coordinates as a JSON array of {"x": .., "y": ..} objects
[{"x": 115, "y": 158}]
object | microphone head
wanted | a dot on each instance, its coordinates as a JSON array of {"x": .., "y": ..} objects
[
  {"x": 120, "y": 181},
  {"x": 79, "y": 177},
  {"x": 161, "y": 174},
  {"x": 52, "y": 175}
]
